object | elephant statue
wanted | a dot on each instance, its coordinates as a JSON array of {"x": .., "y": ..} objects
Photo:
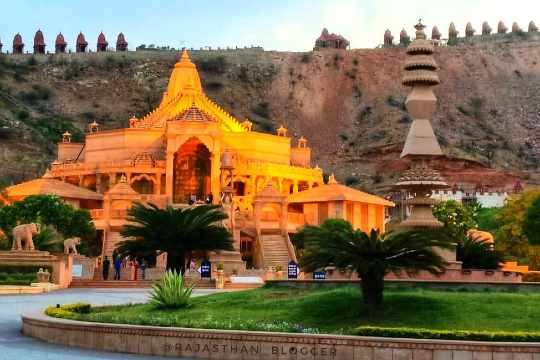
[
  {"x": 22, "y": 236},
  {"x": 70, "y": 245}
]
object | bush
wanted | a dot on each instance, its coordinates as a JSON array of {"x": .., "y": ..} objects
[
  {"x": 67, "y": 311},
  {"x": 352, "y": 180},
  {"x": 169, "y": 292},
  {"x": 216, "y": 65},
  {"x": 447, "y": 334}
]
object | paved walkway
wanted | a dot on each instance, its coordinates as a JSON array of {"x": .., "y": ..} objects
[{"x": 15, "y": 346}]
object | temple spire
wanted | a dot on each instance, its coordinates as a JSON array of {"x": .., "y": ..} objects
[{"x": 184, "y": 78}]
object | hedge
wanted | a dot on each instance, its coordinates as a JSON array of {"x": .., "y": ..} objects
[
  {"x": 10, "y": 269},
  {"x": 447, "y": 334},
  {"x": 67, "y": 311},
  {"x": 10, "y": 281}
]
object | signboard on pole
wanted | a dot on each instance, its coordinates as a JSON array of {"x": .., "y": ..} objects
[
  {"x": 319, "y": 275},
  {"x": 206, "y": 269},
  {"x": 292, "y": 270}
]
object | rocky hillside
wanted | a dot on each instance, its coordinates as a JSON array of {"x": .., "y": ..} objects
[{"x": 348, "y": 104}]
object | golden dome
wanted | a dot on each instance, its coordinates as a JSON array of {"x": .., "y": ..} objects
[{"x": 184, "y": 78}]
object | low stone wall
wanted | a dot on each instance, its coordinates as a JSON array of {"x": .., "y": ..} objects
[{"x": 222, "y": 344}]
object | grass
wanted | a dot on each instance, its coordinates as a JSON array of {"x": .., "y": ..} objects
[{"x": 337, "y": 311}]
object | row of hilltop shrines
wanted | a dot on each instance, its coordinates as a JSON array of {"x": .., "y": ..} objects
[
  {"x": 61, "y": 44},
  {"x": 189, "y": 150},
  {"x": 453, "y": 33}
]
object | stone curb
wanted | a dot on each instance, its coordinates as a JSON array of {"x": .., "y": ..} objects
[{"x": 233, "y": 344}]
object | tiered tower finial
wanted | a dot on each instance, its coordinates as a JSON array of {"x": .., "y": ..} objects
[{"x": 421, "y": 144}]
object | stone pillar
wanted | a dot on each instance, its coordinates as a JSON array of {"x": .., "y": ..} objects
[
  {"x": 295, "y": 186},
  {"x": 169, "y": 177},
  {"x": 284, "y": 217},
  {"x": 98, "y": 183},
  {"x": 215, "y": 176},
  {"x": 157, "y": 185},
  {"x": 112, "y": 179},
  {"x": 81, "y": 179}
]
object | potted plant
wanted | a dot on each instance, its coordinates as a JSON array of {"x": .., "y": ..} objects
[
  {"x": 279, "y": 272},
  {"x": 220, "y": 281}
]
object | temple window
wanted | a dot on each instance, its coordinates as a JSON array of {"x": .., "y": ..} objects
[
  {"x": 239, "y": 188},
  {"x": 143, "y": 186}
]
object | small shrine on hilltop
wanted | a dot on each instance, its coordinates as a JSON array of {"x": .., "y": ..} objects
[
  {"x": 190, "y": 151},
  {"x": 39, "y": 43},
  {"x": 330, "y": 41},
  {"x": 18, "y": 45},
  {"x": 421, "y": 145},
  {"x": 60, "y": 44}
]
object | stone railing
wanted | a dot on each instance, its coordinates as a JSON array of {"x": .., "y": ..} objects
[
  {"x": 232, "y": 344},
  {"x": 103, "y": 167}
]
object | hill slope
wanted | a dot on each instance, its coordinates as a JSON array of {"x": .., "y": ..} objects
[{"x": 348, "y": 104}]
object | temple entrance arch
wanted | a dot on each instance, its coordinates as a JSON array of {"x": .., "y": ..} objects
[{"x": 192, "y": 171}]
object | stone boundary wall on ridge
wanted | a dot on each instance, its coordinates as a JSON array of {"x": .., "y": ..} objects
[{"x": 224, "y": 344}]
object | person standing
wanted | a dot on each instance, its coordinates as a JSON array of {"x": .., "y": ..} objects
[
  {"x": 143, "y": 269},
  {"x": 106, "y": 264},
  {"x": 117, "y": 267},
  {"x": 135, "y": 268}
]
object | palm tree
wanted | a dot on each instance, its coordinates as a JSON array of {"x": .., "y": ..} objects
[
  {"x": 479, "y": 254},
  {"x": 372, "y": 255},
  {"x": 176, "y": 231}
]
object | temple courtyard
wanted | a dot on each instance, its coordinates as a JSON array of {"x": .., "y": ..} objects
[{"x": 14, "y": 345}]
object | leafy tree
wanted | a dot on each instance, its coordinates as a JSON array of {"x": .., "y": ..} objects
[
  {"x": 510, "y": 237},
  {"x": 372, "y": 255},
  {"x": 457, "y": 218},
  {"x": 178, "y": 232},
  {"x": 51, "y": 210},
  {"x": 531, "y": 229}
]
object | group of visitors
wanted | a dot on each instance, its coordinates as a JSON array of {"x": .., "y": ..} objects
[
  {"x": 120, "y": 264},
  {"x": 193, "y": 199}
]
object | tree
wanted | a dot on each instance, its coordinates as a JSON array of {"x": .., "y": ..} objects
[
  {"x": 510, "y": 237},
  {"x": 531, "y": 229},
  {"x": 372, "y": 255},
  {"x": 178, "y": 232},
  {"x": 50, "y": 210},
  {"x": 457, "y": 218}
]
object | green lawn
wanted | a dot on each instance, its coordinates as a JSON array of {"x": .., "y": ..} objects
[{"x": 337, "y": 311}]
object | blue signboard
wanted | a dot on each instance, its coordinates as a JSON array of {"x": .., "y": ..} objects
[
  {"x": 206, "y": 269},
  {"x": 319, "y": 275},
  {"x": 292, "y": 270}
]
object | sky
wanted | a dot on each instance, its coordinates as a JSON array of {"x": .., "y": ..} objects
[{"x": 286, "y": 25}]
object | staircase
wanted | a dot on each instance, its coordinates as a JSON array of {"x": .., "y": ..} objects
[{"x": 275, "y": 251}]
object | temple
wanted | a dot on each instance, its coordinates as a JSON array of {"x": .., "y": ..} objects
[
  {"x": 189, "y": 150},
  {"x": 121, "y": 43},
  {"x": 330, "y": 41},
  {"x": 60, "y": 44},
  {"x": 39, "y": 43},
  {"x": 101, "y": 43},
  {"x": 81, "y": 44},
  {"x": 18, "y": 45}
]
